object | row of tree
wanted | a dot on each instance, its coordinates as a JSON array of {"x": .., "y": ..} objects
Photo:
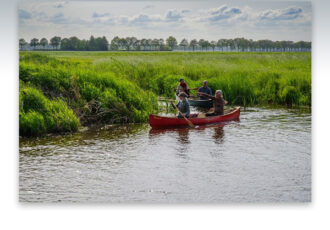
[
  {"x": 134, "y": 44},
  {"x": 72, "y": 43}
]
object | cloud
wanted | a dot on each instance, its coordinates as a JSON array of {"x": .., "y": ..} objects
[
  {"x": 59, "y": 5},
  {"x": 281, "y": 14},
  {"x": 222, "y": 12},
  {"x": 143, "y": 19},
  {"x": 96, "y": 15},
  {"x": 60, "y": 18},
  {"x": 22, "y": 14},
  {"x": 185, "y": 11},
  {"x": 148, "y": 7},
  {"x": 173, "y": 15}
]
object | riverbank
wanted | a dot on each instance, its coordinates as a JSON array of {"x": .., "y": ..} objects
[{"x": 83, "y": 88}]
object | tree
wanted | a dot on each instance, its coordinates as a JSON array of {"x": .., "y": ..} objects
[
  {"x": 144, "y": 43},
  {"x": 65, "y": 44},
  {"x": 149, "y": 42},
  {"x": 34, "y": 42},
  {"x": 155, "y": 43},
  {"x": 43, "y": 42},
  {"x": 161, "y": 44},
  {"x": 115, "y": 43},
  {"x": 55, "y": 41},
  {"x": 193, "y": 44},
  {"x": 171, "y": 42},
  {"x": 213, "y": 44},
  {"x": 92, "y": 45},
  {"x": 184, "y": 43},
  {"x": 222, "y": 43},
  {"x": 22, "y": 43},
  {"x": 201, "y": 43}
]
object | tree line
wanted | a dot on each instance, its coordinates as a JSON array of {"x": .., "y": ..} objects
[{"x": 171, "y": 43}]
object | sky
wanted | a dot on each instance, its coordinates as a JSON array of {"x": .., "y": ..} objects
[{"x": 211, "y": 20}]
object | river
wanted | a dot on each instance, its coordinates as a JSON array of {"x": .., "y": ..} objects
[{"x": 265, "y": 157}]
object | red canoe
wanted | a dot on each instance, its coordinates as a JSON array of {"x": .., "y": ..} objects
[{"x": 156, "y": 121}]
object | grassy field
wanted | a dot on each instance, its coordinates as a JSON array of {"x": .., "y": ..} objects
[{"x": 62, "y": 90}]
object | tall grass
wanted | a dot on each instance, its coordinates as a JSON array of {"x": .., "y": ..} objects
[
  {"x": 39, "y": 115},
  {"x": 122, "y": 87}
]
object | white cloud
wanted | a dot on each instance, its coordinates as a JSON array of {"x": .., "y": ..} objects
[
  {"x": 97, "y": 15},
  {"x": 149, "y": 7},
  {"x": 22, "y": 14},
  {"x": 281, "y": 14},
  {"x": 200, "y": 22},
  {"x": 174, "y": 16},
  {"x": 223, "y": 12}
]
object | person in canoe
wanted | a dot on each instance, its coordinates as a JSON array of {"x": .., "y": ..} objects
[
  {"x": 218, "y": 103},
  {"x": 182, "y": 87},
  {"x": 183, "y": 105},
  {"x": 204, "y": 89}
]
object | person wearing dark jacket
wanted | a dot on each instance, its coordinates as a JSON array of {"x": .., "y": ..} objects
[
  {"x": 183, "y": 105},
  {"x": 204, "y": 89}
]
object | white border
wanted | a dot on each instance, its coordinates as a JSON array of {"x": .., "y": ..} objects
[{"x": 276, "y": 216}]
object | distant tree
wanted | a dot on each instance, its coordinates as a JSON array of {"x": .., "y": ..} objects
[
  {"x": 105, "y": 43},
  {"x": 144, "y": 43},
  {"x": 122, "y": 43},
  {"x": 171, "y": 42},
  {"x": 92, "y": 44},
  {"x": 131, "y": 42},
  {"x": 149, "y": 43},
  {"x": 22, "y": 43},
  {"x": 193, "y": 44},
  {"x": 43, "y": 42},
  {"x": 161, "y": 44},
  {"x": 203, "y": 44},
  {"x": 115, "y": 43},
  {"x": 231, "y": 44},
  {"x": 243, "y": 43},
  {"x": 74, "y": 43},
  {"x": 55, "y": 41},
  {"x": 65, "y": 44},
  {"x": 213, "y": 44},
  {"x": 101, "y": 44},
  {"x": 222, "y": 43},
  {"x": 34, "y": 42},
  {"x": 155, "y": 43},
  {"x": 184, "y": 43}
]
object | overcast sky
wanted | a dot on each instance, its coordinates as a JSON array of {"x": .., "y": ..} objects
[{"x": 211, "y": 20}]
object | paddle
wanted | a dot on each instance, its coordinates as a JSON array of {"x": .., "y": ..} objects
[{"x": 189, "y": 122}]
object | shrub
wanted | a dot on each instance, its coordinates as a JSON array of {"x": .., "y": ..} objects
[
  {"x": 38, "y": 114},
  {"x": 31, "y": 124}
]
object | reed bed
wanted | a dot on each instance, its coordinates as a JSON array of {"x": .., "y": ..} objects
[{"x": 120, "y": 87}]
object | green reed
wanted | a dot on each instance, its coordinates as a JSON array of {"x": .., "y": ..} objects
[{"x": 119, "y": 87}]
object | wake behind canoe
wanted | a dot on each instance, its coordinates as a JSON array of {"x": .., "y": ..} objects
[{"x": 156, "y": 121}]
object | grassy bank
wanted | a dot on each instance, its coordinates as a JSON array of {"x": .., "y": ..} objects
[{"x": 121, "y": 87}]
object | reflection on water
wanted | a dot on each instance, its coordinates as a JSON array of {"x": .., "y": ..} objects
[{"x": 265, "y": 157}]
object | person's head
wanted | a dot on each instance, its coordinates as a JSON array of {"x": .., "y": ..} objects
[
  {"x": 205, "y": 83},
  {"x": 182, "y": 96},
  {"x": 218, "y": 93},
  {"x": 181, "y": 80}
]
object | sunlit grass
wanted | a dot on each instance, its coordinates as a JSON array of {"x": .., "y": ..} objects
[{"x": 122, "y": 86}]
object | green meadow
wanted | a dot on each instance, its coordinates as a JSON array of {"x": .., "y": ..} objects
[{"x": 60, "y": 91}]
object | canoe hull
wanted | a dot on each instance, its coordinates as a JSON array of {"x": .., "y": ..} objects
[{"x": 164, "y": 122}]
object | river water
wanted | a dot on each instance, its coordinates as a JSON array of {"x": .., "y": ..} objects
[{"x": 264, "y": 157}]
